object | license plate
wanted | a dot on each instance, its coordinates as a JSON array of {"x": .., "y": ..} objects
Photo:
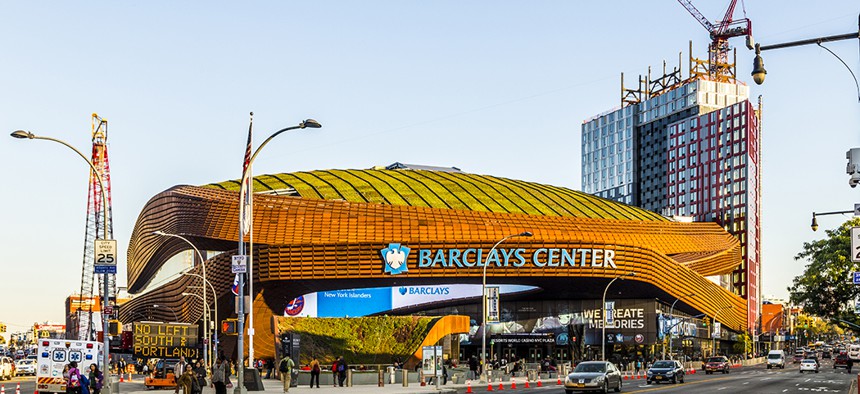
[
  {"x": 579, "y": 385},
  {"x": 658, "y": 377}
]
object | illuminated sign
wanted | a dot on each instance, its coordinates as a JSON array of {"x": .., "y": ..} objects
[
  {"x": 165, "y": 340},
  {"x": 396, "y": 258}
]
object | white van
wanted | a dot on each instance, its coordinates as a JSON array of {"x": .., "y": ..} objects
[
  {"x": 776, "y": 358},
  {"x": 854, "y": 352}
]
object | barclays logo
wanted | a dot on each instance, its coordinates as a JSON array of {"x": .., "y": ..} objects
[
  {"x": 403, "y": 291},
  {"x": 394, "y": 257}
]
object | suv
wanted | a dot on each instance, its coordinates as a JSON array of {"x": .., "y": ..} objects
[
  {"x": 718, "y": 364},
  {"x": 841, "y": 361},
  {"x": 665, "y": 371}
]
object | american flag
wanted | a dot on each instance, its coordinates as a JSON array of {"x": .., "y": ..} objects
[
  {"x": 245, "y": 191},
  {"x": 235, "y": 287}
]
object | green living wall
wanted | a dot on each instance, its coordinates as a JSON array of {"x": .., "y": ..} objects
[{"x": 361, "y": 340}]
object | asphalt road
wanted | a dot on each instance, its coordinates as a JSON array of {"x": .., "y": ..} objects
[{"x": 756, "y": 379}]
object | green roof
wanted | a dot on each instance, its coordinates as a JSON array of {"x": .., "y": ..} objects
[{"x": 438, "y": 189}]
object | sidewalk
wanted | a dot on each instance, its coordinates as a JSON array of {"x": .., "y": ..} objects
[{"x": 274, "y": 387}]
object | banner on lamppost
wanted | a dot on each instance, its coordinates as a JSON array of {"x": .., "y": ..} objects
[
  {"x": 610, "y": 315},
  {"x": 857, "y": 306},
  {"x": 717, "y": 328},
  {"x": 855, "y": 244},
  {"x": 493, "y": 304}
]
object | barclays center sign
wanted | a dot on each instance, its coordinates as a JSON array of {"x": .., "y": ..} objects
[{"x": 396, "y": 258}]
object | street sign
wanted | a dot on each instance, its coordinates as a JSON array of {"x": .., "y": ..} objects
[
  {"x": 610, "y": 319},
  {"x": 239, "y": 264},
  {"x": 105, "y": 256},
  {"x": 109, "y": 309},
  {"x": 855, "y": 245},
  {"x": 717, "y": 329},
  {"x": 856, "y": 277},
  {"x": 493, "y": 304}
]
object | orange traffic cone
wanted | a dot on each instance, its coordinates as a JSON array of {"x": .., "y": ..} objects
[
  {"x": 468, "y": 387},
  {"x": 513, "y": 384},
  {"x": 527, "y": 382},
  {"x": 18, "y": 388},
  {"x": 501, "y": 385},
  {"x": 539, "y": 383},
  {"x": 3, "y": 389},
  {"x": 120, "y": 377},
  {"x": 558, "y": 382},
  {"x": 489, "y": 385}
]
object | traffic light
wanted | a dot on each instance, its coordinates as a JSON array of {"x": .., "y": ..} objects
[
  {"x": 229, "y": 327},
  {"x": 2, "y": 327},
  {"x": 114, "y": 327},
  {"x": 706, "y": 321}
]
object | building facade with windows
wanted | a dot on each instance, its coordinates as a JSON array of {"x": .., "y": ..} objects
[{"x": 689, "y": 150}]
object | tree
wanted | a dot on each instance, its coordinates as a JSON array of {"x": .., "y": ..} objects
[
  {"x": 743, "y": 344},
  {"x": 825, "y": 289}
]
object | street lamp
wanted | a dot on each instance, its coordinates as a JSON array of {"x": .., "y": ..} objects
[
  {"x": 758, "y": 72},
  {"x": 246, "y": 172},
  {"x": 485, "y": 371},
  {"x": 175, "y": 317},
  {"x": 603, "y": 334},
  {"x": 814, "y": 225},
  {"x": 214, "y": 337},
  {"x": 672, "y": 318},
  {"x": 714, "y": 324},
  {"x": 21, "y": 134},
  {"x": 206, "y": 333}
]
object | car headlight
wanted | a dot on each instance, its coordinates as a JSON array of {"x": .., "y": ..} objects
[
  {"x": 598, "y": 379},
  {"x": 670, "y": 373},
  {"x": 649, "y": 372}
]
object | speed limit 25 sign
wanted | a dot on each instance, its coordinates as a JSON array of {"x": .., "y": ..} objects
[{"x": 105, "y": 256}]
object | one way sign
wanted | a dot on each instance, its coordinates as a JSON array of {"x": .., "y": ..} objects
[{"x": 856, "y": 209}]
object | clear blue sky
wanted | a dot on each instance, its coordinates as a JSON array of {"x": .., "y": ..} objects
[{"x": 492, "y": 87}]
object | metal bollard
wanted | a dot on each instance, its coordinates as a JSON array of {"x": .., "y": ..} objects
[
  {"x": 348, "y": 378},
  {"x": 381, "y": 378},
  {"x": 405, "y": 377}
]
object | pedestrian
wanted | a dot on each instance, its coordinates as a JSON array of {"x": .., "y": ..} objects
[
  {"x": 285, "y": 367},
  {"x": 334, "y": 373},
  {"x": 849, "y": 363},
  {"x": 341, "y": 370},
  {"x": 315, "y": 372},
  {"x": 96, "y": 379},
  {"x": 178, "y": 369},
  {"x": 186, "y": 380},
  {"x": 473, "y": 367},
  {"x": 228, "y": 371},
  {"x": 270, "y": 366},
  {"x": 200, "y": 373},
  {"x": 85, "y": 384},
  {"x": 73, "y": 382},
  {"x": 218, "y": 376}
]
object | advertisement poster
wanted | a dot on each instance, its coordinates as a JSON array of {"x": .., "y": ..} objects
[
  {"x": 492, "y": 304},
  {"x": 431, "y": 360}
]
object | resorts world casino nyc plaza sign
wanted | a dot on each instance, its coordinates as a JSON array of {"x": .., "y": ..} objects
[{"x": 395, "y": 258}]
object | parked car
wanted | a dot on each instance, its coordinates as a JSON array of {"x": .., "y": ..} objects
[
  {"x": 718, "y": 364},
  {"x": 841, "y": 361},
  {"x": 593, "y": 376},
  {"x": 25, "y": 367},
  {"x": 665, "y": 371},
  {"x": 808, "y": 364}
]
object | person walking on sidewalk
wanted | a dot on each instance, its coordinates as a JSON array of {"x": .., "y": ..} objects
[
  {"x": 315, "y": 372},
  {"x": 219, "y": 376},
  {"x": 334, "y": 373},
  {"x": 341, "y": 370},
  {"x": 473, "y": 367},
  {"x": 285, "y": 367}
]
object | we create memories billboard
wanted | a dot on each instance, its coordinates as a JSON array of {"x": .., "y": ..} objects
[{"x": 363, "y": 302}]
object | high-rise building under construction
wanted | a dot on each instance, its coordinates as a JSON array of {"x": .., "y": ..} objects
[{"x": 688, "y": 148}]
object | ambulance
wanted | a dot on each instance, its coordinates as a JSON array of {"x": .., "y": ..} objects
[{"x": 54, "y": 354}]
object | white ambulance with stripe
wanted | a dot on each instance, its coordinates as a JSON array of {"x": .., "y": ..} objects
[{"x": 54, "y": 354}]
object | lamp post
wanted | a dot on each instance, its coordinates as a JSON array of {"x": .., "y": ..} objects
[
  {"x": 175, "y": 317},
  {"x": 485, "y": 371},
  {"x": 21, "y": 134},
  {"x": 246, "y": 173},
  {"x": 206, "y": 312},
  {"x": 770, "y": 328},
  {"x": 603, "y": 333},
  {"x": 714, "y": 324},
  {"x": 758, "y": 72},
  {"x": 206, "y": 355},
  {"x": 212, "y": 336},
  {"x": 814, "y": 225},
  {"x": 672, "y": 318}
]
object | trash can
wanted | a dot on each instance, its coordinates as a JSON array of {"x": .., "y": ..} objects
[
  {"x": 405, "y": 377},
  {"x": 114, "y": 384}
]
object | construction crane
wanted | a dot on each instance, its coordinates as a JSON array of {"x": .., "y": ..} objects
[
  {"x": 95, "y": 226},
  {"x": 718, "y": 67}
]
